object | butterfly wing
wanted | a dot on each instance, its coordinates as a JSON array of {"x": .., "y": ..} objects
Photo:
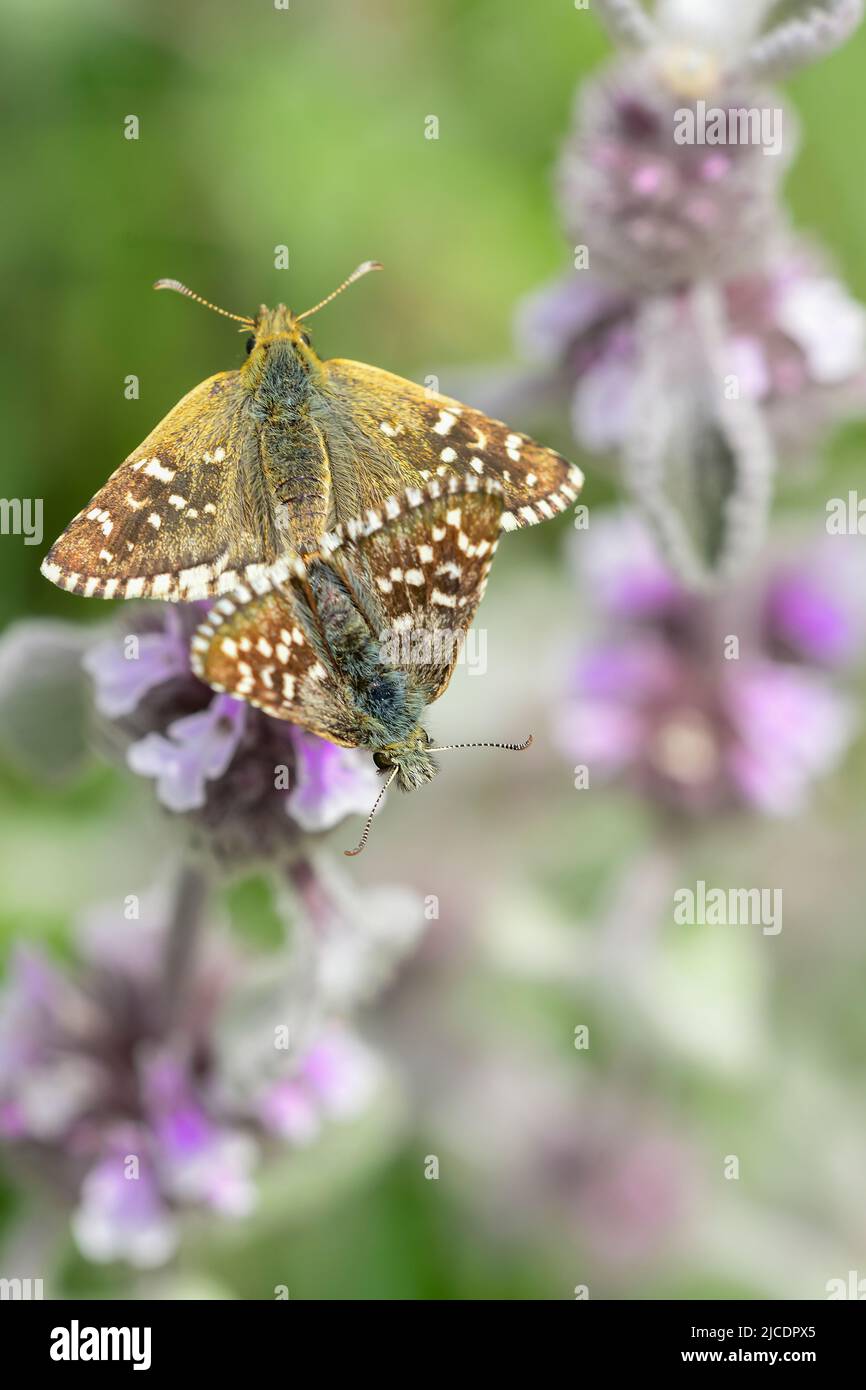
[
  {"x": 418, "y": 570},
  {"x": 413, "y": 576},
  {"x": 184, "y": 517},
  {"x": 267, "y": 649},
  {"x": 384, "y": 434}
]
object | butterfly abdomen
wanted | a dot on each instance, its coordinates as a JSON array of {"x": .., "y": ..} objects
[
  {"x": 390, "y": 699},
  {"x": 347, "y": 634},
  {"x": 382, "y": 692}
]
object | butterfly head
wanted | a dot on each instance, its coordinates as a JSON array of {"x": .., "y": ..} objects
[
  {"x": 408, "y": 761},
  {"x": 278, "y": 326}
]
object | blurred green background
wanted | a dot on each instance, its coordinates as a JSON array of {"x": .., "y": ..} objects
[{"x": 261, "y": 127}]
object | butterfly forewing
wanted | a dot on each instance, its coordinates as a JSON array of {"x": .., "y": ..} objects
[
  {"x": 419, "y": 569},
  {"x": 255, "y": 464},
  {"x": 184, "y": 517},
  {"x": 403, "y": 435}
]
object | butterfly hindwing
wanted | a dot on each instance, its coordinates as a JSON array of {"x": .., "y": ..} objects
[
  {"x": 265, "y": 649},
  {"x": 394, "y": 591},
  {"x": 419, "y": 568},
  {"x": 385, "y": 433},
  {"x": 184, "y": 517}
]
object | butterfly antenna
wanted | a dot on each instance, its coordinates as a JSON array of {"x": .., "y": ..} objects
[
  {"x": 182, "y": 289},
  {"x": 356, "y": 275},
  {"x": 369, "y": 822},
  {"x": 509, "y": 747}
]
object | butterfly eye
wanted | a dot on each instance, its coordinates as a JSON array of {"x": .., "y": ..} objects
[
  {"x": 251, "y": 342},
  {"x": 305, "y": 339},
  {"x": 382, "y": 761}
]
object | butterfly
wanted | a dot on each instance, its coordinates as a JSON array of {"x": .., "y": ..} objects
[
  {"x": 265, "y": 459},
  {"x": 354, "y": 642}
]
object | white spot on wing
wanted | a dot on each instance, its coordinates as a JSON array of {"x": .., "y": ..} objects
[
  {"x": 443, "y": 600},
  {"x": 154, "y": 469},
  {"x": 446, "y": 422}
]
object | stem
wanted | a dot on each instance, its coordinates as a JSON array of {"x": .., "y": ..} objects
[
  {"x": 307, "y": 883},
  {"x": 184, "y": 930},
  {"x": 632, "y": 920}
]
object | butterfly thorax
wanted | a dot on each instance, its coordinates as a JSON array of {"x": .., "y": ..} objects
[
  {"x": 412, "y": 759},
  {"x": 281, "y": 374}
]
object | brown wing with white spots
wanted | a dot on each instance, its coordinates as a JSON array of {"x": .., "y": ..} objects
[
  {"x": 418, "y": 570},
  {"x": 264, "y": 649},
  {"x": 183, "y": 517},
  {"x": 404, "y": 436}
]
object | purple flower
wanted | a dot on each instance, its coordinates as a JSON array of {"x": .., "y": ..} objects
[
  {"x": 804, "y": 614},
  {"x": 696, "y": 338},
  {"x": 631, "y": 1192},
  {"x": 247, "y": 784},
  {"x": 330, "y": 783},
  {"x": 336, "y": 1080},
  {"x": 591, "y": 1165},
  {"x": 795, "y": 343},
  {"x": 709, "y": 703},
  {"x": 121, "y": 1213},
  {"x": 198, "y": 749},
  {"x": 124, "y": 673},
  {"x": 789, "y": 727},
  {"x": 119, "y": 1078},
  {"x": 656, "y": 212},
  {"x": 49, "y": 1086}
]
